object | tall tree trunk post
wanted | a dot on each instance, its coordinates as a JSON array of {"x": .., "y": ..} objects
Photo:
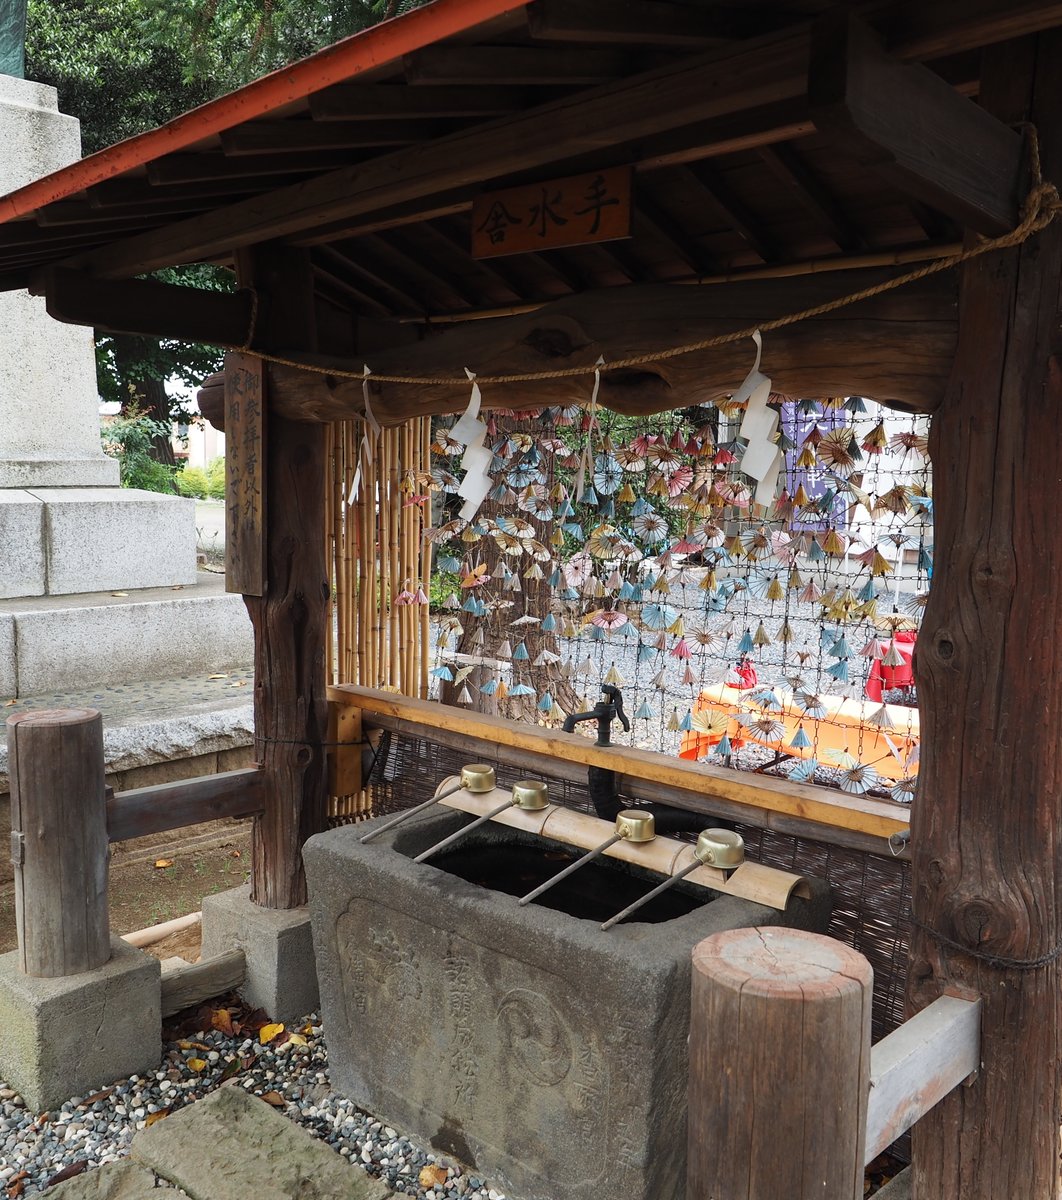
[
  {"x": 987, "y": 824},
  {"x": 290, "y": 619}
]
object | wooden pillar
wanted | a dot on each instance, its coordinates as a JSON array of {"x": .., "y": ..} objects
[
  {"x": 290, "y": 618},
  {"x": 987, "y": 822},
  {"x": 779, "y": 1067},
  {"x": 59, "y": 845}
]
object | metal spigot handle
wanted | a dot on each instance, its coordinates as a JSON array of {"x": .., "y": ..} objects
[
  {"x": 660, "y": 887},
  {"x": 463, "y": 830},
  {"x": 579, "y": 862},
  {"x": 616, "y": 697},
  {"x": 410, "y": 812}
]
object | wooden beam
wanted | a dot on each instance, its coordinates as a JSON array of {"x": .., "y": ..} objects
[
  {"x": 209, "y": 168},
  {"x": 915, "y": 29},
  {"x": 290, "y": 620},
  {"x": 148, "y": 308},
  {"x": 348, "y": 268},
  {"x": 734, "y": 212},
  {"x": 505, "y": 65},
  {"x": 193, "y": 983},
  {"x": 987, "y": 820},
  {"x": 148, "y": 810},
  {"x": 820, "y": 805},
  {"x": 917, "y": 1065},
  {"x": 297, "y": 137},
  {"x": 896, "y": 347},
  {"x": 396, "y": 102},
  {"x": 155, "y": 208},
  {"x": 789, "y": 169},
  {"x": 912, "y": 128},
  {"x": 635, "y": 23},
  {"x": 617, "y": 113}
]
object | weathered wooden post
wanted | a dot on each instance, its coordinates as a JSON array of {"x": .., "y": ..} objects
[
  {"x": 987, "y": 823},
  {"x": 59, "y": 845},
  {"x": 779, "y": 1067}
]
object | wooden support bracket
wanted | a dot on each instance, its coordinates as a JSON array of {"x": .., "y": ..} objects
[
  {"x": 344, "y": 761},
  {"x": 912, "y": 127},
  {"x": 917, "y": 1065}
]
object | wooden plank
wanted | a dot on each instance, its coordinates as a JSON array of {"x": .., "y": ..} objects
[
  {"x": 296, "y": 137},
  {"x": 245, "y": 469},
  {"x": 395, "y": 102},
  {"x": 59, "y": 841},
  {"x": 906, "y": 123},
  {"x": 707, "y": 179},
  {"x": 638, "y": 23},
  {"x": 194, "y": 983},
  {"x": 917, "y": 1065},
  {"x": 514, "y": 64},
  {"x": 142, "y": 811},
  {"x": 817, "y": 805},
  {"x": 699, "y": 87},
  {"x": 595, "y": 207},
  {"x": 987, "y": 822},
  {"x": 212, "y": 168},
  {"x": 344, "y": 751},
  {"x": 148, "y": 308},
  {"x": 787, "y": 166},
  {"x": 779, "y": 1056}
]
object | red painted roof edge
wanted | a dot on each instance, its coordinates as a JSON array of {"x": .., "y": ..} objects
[{"x": 383, "y": 43}]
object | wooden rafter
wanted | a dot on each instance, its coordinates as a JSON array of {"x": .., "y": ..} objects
[
  {"x": 504, "y": 65},
  {"x": 710, "y": 181},
  {"x": 787, "y": 166},
  {"x": 393, "y": 102}
]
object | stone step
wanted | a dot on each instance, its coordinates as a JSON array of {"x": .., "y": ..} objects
[{"x": 114, "y": 1181}]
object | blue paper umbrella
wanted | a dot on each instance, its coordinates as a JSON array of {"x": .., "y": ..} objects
[
  {"x": 490, "y": 687},
  {"x": 643, "y": 712},
  {"x": 723, "y": 748},
  {"x": 546, "y": 703},
  {"x": 520, "y": 689},
  {"x": 867, "y": 591},
  {"x": 827, "y": 636},
  {"x": 520, "y": 654},
  {"x": 646, "y": 653},
  {"x": 746, "y": 644},
  {"x": 839, "y": 649},
  {"x": 686, "y": 724},
  {"x": 804, "y": 770},
  {"x": 608, "y": 475},
  {"x": 442, "y": 672},
  {"x": 839, "y": 671},
  {"x": 597, "y": 634},
  {"x": 549, "y": 623},
  {"x": 800, "y": 740},
  {"x": 659, "y": 616}
]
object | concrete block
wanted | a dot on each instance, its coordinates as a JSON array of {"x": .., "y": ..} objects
[
  {"x": 22, "y": 542},
  {"x": 97, "y": 539},
  {"x": 524, "y": 1041},
  {"x": 232, "y": 1146},
  {"x": 113, "y": 1181},
  {"x": 62, "y": 1037},
  {"x": 8, "y": 666},
  {"x": 113, "y": 643},
  {"x": 278, "y": 947}
]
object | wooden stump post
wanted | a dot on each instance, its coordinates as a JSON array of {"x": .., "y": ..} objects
[
  {"x": 59, "y": 841},
  {"x": 779, "y": 1067}
]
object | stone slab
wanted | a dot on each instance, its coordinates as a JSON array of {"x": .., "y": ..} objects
[
  {"x": 112, "y": 643},
  {"x": 233, "y": 1146},
  {"x": 278, "y": 948},
  {"x": 8, "y": 666},
  {"x": 525, "y": 1042},
  {"x": 96, "y": 539},
  {"x": 22, "y": 542},
  {"x": 68, "y": 1036},
  {"x": 113, "y": 1181}
]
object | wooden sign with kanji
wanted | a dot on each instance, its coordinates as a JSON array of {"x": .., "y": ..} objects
[
  {"x": 595, "y": 207},
  {"x": 245, "y": 474}
]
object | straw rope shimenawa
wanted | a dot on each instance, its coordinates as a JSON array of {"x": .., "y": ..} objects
[{"x": 1040, "y": 207}]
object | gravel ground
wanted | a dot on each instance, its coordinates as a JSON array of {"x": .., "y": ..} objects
[{"x": 98, "y": 1128}]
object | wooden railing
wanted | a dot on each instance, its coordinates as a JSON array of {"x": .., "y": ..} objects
[{"x": 760, "y": 800}]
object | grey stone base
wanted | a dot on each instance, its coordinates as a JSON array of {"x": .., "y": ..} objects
[
  {"x": 898, "y": 1188},
  {"x": 62, "y": 1037},
  {"x": 94, "y": 539},
  {"x": 277, "y": 944}
]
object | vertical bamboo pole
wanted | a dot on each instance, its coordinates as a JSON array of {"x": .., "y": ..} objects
[{"x": 425, "y": 550}]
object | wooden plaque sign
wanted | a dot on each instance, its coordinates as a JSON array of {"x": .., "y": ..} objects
[
  {"x": 595, "y": 207},
  {"x": 245, "y": 529}
]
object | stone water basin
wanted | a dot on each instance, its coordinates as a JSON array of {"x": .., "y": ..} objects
[{"x": 523, "y": 1041}]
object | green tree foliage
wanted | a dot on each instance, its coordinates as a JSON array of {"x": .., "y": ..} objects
[{"x": 125, "y": 66}]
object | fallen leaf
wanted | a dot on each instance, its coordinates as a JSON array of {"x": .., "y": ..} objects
[
  {"x": 119, "y": 593},
  {"x": 90, "y": 1100},
  {"x": 196, "y": 1064},
  {"x": 431, "y": 1175},
  {"x": 179, "y": 587},
  {"x": 217, "y": 677},
  {"x": 239, "y": 683},
  {"x": 276, "y": 1099},
  {"x": 231, "y": 1069},
  {"x": 163, "y": 862},
  {"x": 221, "y": 1020},
  {"x": 151, "y": 1118},
  {"x": 268, "y": 1032},
  {"x": 184, "y": 1045},
  {"x": 15, "y": 1188},
  {"x": 8, "y": 703},
  {"x": 307, "y": 1029},
  {"x": 296, "y": 1039},
  {"x": 75, "y": 1168},
  {"x": 235, "y": 854}
]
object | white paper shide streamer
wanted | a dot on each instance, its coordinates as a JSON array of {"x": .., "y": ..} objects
[
  {"x": 368, "y": 438},
  {"x": 762, "y": 459},
  {"x": 476, "y": 460}
]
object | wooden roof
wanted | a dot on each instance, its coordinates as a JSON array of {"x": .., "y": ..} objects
[{"x": 371, "y": 153}]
